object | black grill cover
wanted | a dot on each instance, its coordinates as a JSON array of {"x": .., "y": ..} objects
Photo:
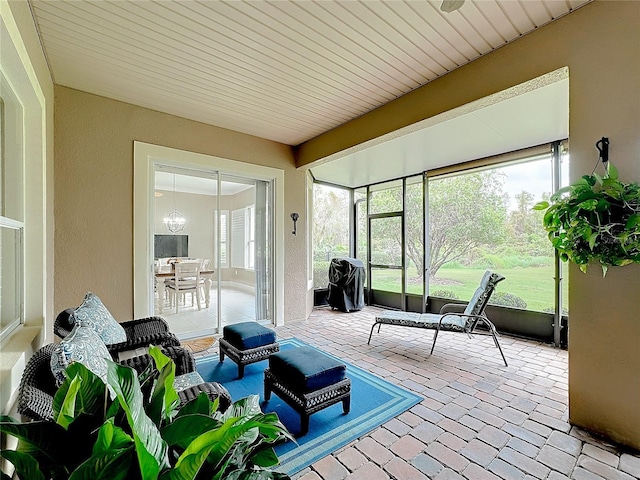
[{"x": 346, "y": 284}]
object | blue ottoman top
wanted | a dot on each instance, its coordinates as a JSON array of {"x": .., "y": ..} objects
[
  {"x": 247, "y": 335},
  {"x": 305, "y": 369}
]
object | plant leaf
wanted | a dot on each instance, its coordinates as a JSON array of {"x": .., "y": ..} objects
[
  {"x": 632, "y": 222},
  {"x": 164, "y": 399},
  {"x": 27, "y": 467},
  {"x": 67, "y": 412},
  {"x": 265, "y": 458},
  {"x": 256, "y": 475},
  {"x": 108, "y": 465},
  {"x": 41, "y": 440},
  {"x": 556, "y": 196},
  {"x": 184, "y": 429},
  {"x": 541, "y": 205},
  {"x": 201, "y": 404},
  {"x": 593, "y": 238},
  {"x": 195, "y": 455},
  {"x": 612, "y": 171},
  {"x": 111, "y": 437},
  {"x": 151, "y": 449},
  {"x": 87, "y": 395},
  {"x": 598, "y": 178}
]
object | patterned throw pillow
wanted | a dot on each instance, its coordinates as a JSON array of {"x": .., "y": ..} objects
[
  {"x": 187, "y": 380},
  {"x": 82, "y": 345},
  {"x": 95, "y": 313}
]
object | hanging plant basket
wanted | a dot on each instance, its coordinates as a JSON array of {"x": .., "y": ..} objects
[{"x": 596, "y": 219}]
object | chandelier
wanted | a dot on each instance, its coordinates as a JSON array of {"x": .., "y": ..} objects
[{"x": 175, "y": 221}]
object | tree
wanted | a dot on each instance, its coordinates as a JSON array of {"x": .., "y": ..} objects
[
  {"x": 330, "y": 220},
  {"x": 526, "y": 231},
  {"x": 465, "y": 211}
]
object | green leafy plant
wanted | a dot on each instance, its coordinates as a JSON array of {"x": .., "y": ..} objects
[
  {"x": 597, "y": 219},
  {"x": 507, "y": 300},
  {"x": 131, "y": 428}
]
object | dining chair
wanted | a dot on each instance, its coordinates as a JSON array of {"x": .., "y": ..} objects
[{"x": 186, "y": 280}]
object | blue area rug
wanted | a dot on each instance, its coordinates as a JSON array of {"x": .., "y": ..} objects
[{"x": 373, "y": 402}]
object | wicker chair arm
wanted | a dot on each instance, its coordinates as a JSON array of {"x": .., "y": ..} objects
[
  {"x": 145, "y": 326},
  {"x": 35, "y": 404},
  {"x": 212, "y": 389},
  {"x": 159, "y": 339},
  {"x": 185, "y": 363}
]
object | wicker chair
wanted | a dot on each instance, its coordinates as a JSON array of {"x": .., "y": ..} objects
[
  {"x": 38, "y": 386},
  {"x": 140, "y": 333}
]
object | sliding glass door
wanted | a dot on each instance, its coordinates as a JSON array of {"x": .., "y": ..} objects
[{"x": 225, "y": 224}]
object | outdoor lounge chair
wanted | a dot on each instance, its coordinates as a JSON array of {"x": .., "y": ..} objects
[{"x": 450, "y": 317}]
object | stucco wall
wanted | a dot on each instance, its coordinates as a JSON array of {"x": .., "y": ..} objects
[
  {"x": 94, "y": 193},
  {"x": 600, "y": 43}
]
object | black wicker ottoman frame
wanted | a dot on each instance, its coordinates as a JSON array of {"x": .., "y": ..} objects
[
  {"x": 286, "y": 383},
  {"x": 246, "y": 343}
]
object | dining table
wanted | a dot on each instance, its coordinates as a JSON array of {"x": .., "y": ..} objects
[{"x": 164, "y": 273}]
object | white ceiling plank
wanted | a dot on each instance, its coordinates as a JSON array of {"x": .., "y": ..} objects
[
  {"x": 285, "y": 70},
  {"x": 314, "y": 37},
  {"x": 260, "y": 54}
]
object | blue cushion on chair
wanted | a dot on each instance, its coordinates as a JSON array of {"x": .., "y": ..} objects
[
  {"x": 305, "y": 369},
  {"x": 247, "y": 335}
]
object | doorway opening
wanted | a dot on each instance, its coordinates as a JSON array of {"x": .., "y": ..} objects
[{"x": 215, "y": 214}]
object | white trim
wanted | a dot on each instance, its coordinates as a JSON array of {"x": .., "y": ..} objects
[
  {"x": 18, "y": 69},
  {"x": 145, "y": 156}
]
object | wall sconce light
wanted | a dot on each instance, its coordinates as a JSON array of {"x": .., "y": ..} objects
[{"x": 294, "y": 217}]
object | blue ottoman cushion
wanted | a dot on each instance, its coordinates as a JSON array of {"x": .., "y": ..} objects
[
  {"x": 248, "y": 335},
  {"x": 305, "y": 369}
]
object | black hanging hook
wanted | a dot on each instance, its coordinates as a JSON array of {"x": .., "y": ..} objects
[
  {"x": 294, "y": 217},
  {"x": 603, "y": 147}
]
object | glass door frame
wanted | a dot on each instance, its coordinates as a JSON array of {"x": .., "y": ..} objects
[
  {"x": 160, "y": 166},
  {"x": 145, "y": 155}
]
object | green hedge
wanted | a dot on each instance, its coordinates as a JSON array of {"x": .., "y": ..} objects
[
  {"x": 321, "y": 274},
  {"x": 507, "y": 300}
]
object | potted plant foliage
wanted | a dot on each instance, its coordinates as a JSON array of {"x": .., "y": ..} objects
[
  {"x": 131, "y": 428},
  {"x": 596, "y": 219}
]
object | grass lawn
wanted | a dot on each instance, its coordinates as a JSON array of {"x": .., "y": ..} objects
[{"x": 533, "y": 284}]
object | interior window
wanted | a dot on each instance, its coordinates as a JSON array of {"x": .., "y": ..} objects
[{"x": 11, "y": 211}]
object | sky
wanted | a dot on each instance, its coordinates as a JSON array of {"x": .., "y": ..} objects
[{"x": 533, "y": 177}]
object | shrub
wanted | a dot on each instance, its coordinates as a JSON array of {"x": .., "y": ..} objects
[
  {"x": 444, "y": 294},
  {"x": 507, "y": 300},
  {"x": 321, "y": 274}
]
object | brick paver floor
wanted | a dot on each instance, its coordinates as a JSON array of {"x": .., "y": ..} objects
[{"x": 478, "y": 419}]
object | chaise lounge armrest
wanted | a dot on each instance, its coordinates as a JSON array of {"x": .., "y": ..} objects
[{"x": 452, "y": 308}]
